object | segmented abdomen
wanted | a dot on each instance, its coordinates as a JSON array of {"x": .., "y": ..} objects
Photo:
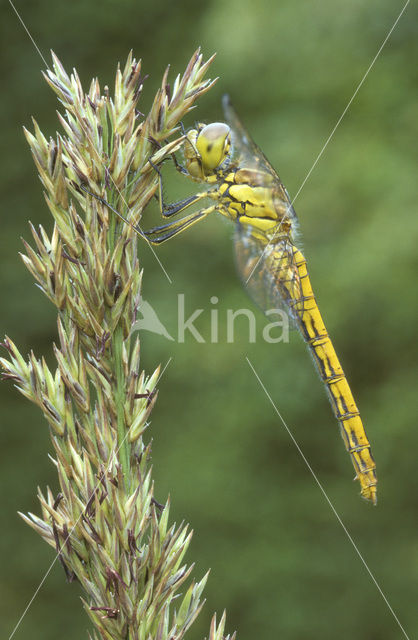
[{"x": 311, "y": 325}]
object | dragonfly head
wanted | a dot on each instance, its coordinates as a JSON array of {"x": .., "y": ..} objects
[{"x": 206, "y": 148}]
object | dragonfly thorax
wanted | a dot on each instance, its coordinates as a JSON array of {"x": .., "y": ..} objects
[
  {"x": 254, "y": 199},
  {"x": 206, "y": 148}
]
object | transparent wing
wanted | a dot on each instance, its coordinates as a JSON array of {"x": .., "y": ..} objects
[
  {"x": 250, "y": 153},
  {"x": 270, "y": 274}
]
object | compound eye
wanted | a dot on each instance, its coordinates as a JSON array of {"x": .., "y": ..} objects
[{"x": 213, "y": 144}]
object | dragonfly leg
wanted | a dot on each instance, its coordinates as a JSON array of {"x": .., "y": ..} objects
[
  {"x": 168, "y": 210},
  {"x": 179, "y": 166},
  {"x": 157, "y": 235},
  {"x": 164, "y": 232}
]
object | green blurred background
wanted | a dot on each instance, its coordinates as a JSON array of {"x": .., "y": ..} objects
[{"x": 281, "y": 564}]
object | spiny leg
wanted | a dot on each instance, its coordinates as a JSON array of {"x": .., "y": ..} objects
[
  {"x": 179, "y": 166},
  {"x": 172, "y": 156},
  {"x": 171, "y": 229},
  {"x": 168, "y": 210},
  {"x": 164, "y": 232}
]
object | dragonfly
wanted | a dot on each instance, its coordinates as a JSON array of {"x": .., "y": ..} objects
[{"x": 241, "y": 184}]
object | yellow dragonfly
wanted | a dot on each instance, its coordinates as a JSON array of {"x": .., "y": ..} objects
[{"x": 245, "y": 188}]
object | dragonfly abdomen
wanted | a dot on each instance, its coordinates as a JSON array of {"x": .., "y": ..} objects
[{"x": 342, "y": 401}]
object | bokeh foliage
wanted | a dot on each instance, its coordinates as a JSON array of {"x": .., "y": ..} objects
[{"x": 280, "y": 562}]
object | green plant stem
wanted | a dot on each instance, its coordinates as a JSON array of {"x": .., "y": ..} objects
[{"x": 123, "y": 444}]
